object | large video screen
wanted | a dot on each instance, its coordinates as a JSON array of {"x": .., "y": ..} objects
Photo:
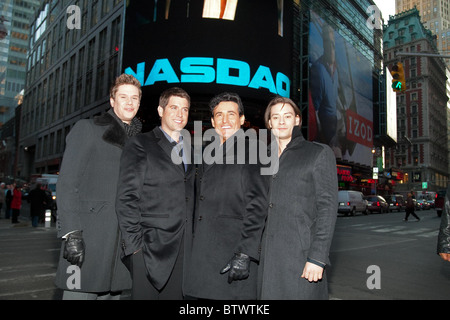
[
  {"x": 207, "y": 47},
  {"x": 341, "y": 94}
]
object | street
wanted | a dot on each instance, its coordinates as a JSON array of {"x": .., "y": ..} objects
[
  {"x": 404, "y": 253},
  {"x": 396, "y": 259}
]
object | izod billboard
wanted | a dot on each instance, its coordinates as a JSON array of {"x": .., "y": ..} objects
[{"x": 207, "y": 47}]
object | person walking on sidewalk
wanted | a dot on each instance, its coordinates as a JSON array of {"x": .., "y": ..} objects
[
  {"x": 16, "y": 204},
  {"x": 8, "y": 200},
  {"x": 2, "y": 197},
  {"x": 410, "y": 208}
]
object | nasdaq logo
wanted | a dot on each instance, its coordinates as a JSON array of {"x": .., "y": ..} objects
[{"x": 210, "y": 70}]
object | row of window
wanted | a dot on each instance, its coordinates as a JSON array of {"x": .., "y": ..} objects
[{"x": 67, "y": 86}]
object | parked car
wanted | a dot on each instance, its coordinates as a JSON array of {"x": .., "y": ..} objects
[
  {"x": 350, "y": 202},
  {"x": 377, "y": 204},
  {"x": 396, "y": 202},
  {"x": 439, "y": 202}
]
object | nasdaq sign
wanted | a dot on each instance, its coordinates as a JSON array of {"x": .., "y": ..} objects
[{"x": 211, "y": 70}]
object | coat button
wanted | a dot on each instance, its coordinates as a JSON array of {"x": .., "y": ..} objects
[
  {"x": 270, "y": 205},
  {"x": 200, "y": 218},
  {"x": 202, "y": 198}
]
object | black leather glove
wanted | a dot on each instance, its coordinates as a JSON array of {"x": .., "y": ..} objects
[
  {"x": 74, "y": 248},
  {"x": 238, "y": 267}
]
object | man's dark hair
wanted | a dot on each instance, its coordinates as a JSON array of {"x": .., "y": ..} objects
[
  {"x": 226, "y": 96},
  {"x": 173, "y": 92}
]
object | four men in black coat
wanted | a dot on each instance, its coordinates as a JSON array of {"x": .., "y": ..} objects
[{"x": 187, "y": 230}]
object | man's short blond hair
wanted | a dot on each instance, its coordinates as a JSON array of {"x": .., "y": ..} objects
[{"x": 125, "y": 79}]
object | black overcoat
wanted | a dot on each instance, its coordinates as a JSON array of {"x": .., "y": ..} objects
[
  {"x": 86, "y": 190},
  {"x": 38, "y": 200},
  {"x": 229, "y": 218},
  {"x": 301, "y": 219},
  {"x": 155, "y": 203}
]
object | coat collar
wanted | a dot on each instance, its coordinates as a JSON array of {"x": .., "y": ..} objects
[
  {"x": 297, "y": 137},
  {"x": 168, "y": 146},
  {"x": 115, "y": 133}
]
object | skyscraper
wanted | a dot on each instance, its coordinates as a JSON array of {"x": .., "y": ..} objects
[{"x": 15, "y": 17}]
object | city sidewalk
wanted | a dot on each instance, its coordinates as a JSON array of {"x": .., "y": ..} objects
[{"x": 29, "y": 260}]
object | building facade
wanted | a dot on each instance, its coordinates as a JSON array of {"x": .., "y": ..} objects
[
  {"x": 69, "y": 70},
  {"x": 422, "y": 149},
  {"x": 15, "y": 17},
  {"x": 435, "y": 16}
]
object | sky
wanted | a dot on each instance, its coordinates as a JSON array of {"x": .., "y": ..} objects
[{"x": 387, "y": 8}]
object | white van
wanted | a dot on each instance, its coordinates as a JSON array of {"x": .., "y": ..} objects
[{"x": 350, "y": 202}]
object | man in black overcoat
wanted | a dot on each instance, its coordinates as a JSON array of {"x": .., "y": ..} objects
[
  {"x": 230, "y": 212},
  {"x": 89, "y": 265},
  {"x": 155, "y": 201}
]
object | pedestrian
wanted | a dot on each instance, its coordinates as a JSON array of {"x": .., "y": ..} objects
[
  {"x": 230, "y": 212},
  {"x": 16, "y": 203},
  {"x": 410, "y": 208},
  {"x": 38, "y": 201},
  {"x": 2, "y": 198},
  {"x": 155, "y": 202},
  {"x": 443, "y": 247},
  {"x": 89, "y": 264},
  {"x": 8, "y": 200},
  {"x": 302, "y": 211}
]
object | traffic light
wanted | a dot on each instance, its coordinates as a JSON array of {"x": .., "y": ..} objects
[{"x": 398, "y": 77}]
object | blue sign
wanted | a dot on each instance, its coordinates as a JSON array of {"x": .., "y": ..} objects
[{"x": 204, "y": 70}]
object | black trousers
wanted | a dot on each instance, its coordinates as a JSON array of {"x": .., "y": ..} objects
[
  {"x": 409, "y": 211},
  {"x": 15, "y": 215},
  {"x": 142, "y": 288}
]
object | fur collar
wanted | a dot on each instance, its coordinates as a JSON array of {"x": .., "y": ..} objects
[{"x": 115, "y": 133}]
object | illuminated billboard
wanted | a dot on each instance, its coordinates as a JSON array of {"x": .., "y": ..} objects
[
  {"x": 391, "y": 108},
  {"x": 207, "y": 47},
  {"x": 340, "y": 95}
]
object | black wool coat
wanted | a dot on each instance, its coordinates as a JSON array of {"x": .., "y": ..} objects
[
  {"x": 229, "y": 218},
  {"x": 301, "y": 219},
  {"x": 86, "y": 191},
  {"x": 155, "y": 203}
]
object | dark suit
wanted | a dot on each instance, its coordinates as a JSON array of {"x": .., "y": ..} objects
[
  {"x": 229, "y": 218},
  {"x": 154, "y": 204},
  {"x": 300, "y": 223}
]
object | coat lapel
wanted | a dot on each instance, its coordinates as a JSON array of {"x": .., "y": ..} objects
[{"x": 167, "y": 146}]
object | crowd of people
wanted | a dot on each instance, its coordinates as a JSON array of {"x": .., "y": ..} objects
[
  {"x": 12, "y": 197},
  {"x": 10, "y": 201}
]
